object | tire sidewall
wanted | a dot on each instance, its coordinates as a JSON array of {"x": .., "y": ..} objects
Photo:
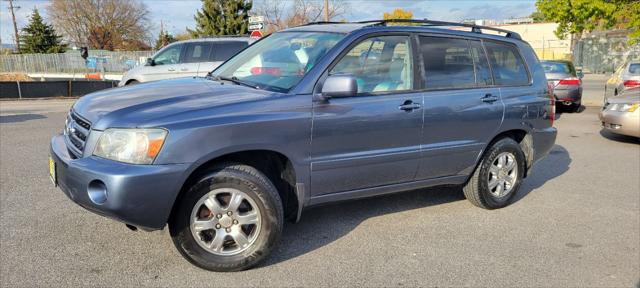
[
  {"x": 504, "y": 145},
  {"x": 270, "y": 229}
]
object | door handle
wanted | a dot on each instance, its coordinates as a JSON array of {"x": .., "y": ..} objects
[
  {"x": 489, "y": 98},
  {"x": 409, "y": 106},
  {"x": 171, "y": 69}
]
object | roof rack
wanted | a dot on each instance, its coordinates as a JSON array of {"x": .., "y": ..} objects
[{"x": 425, "y": 22}]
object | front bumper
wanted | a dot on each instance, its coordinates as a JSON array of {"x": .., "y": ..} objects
[
  {"x": 624, "y": 123},
  {"x": 140, "y": 195}
]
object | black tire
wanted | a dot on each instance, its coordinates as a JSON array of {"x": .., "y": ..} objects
[
  {"x": 132, "y": 82},
  {"x": 476, "y": 190},
  {"x": 256, "y": 186},
  {"x": 575, "y": 107}
]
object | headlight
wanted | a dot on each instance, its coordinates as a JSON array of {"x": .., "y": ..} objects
[
  {"x": 135, "y": 146},
  {"x": 624, "y": 107}
]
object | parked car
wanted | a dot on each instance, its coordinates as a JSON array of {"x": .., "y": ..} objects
[
  {"x": 626, "y": 76},
  {"x": 621, "y": 114},
  {"x": 566, "y": 82},
  {"x": 225, "y": 159},
  {"x": 189, "y": 58}
]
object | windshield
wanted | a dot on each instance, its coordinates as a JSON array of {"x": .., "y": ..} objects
[
  {"x": 280, "y": 61},
  {"x": 558, "y": 67}
]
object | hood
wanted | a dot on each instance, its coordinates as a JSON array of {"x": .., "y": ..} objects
[{"x": 147, "y": 104}]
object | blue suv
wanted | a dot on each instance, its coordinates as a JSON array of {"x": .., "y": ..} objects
[{"x": 313, "y": 114}]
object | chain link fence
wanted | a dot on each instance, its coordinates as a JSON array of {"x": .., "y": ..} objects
[
  {"x": 604, "y": 51},
  {"x": 72, "y": 62}
]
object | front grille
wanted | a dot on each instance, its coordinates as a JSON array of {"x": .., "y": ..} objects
[{"x": 76, "y": 131}]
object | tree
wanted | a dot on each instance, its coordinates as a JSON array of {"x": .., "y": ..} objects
[
  {"x": 40, "y": 37},
  {"x": 398, "y": 13},
  {"x": 538, "y": 17},
  {"x": 222, "y": 17},
  {"x": 575, "y": 17},
  {"x": 628, "y": 17},
  {"x": 102, "y": 24},
  {"x": 279, "y": 15},
  {"x": 164, "y": 39}
]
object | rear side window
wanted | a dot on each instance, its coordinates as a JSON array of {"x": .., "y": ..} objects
[
  {"x": 454, "y": 63},
  {"x": 223, "y": 50},
  {"x": 508, "y": 66},
  {"x": 481, "y": 63},
  {"x": 634, "y": 68},
  {"x": 197, "y": 52}
]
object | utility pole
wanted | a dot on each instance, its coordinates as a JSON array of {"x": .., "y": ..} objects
[
  {"x": 15, "y": 25},
  {"x": 326, "y": 10}
]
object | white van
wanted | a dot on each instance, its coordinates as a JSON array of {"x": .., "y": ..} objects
[{"x": 195, "y": 57}]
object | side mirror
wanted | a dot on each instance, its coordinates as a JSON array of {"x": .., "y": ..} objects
[
  {"x": 150, "y": 62},
  {"x": 339, "y": 86},
  {"x": 580, "y": 74}
]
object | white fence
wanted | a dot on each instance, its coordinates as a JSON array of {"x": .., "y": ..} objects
[{"x": 108, "y": 62}]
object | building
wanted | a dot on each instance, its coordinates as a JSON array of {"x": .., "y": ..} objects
[{"x": 542, "y": 37}]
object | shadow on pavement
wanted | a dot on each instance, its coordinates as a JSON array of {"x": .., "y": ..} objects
[
  {"x": 323, "y": 225},
  {"x": 551, "y": 166},
  {"x": 20, "y": 118},
  {"x": 619, "y": 138}
]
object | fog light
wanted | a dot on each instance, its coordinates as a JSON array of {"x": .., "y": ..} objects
[{"x": 97, "y": 192}]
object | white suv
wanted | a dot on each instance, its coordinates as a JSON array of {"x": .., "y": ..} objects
[{"x": 189, "y": 58}]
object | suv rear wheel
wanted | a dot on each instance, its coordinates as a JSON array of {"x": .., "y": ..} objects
[
  {"x": 497, "y": 178},
  {"x": 229, "y": 220}
]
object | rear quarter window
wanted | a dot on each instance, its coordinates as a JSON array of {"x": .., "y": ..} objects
[
  {"x": 223, "y": 50},
  {"x": 508, "y": 67}
]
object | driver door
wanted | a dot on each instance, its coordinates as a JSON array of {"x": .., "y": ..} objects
[{"x": 370, "y": 139}]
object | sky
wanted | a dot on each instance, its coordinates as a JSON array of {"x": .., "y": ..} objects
[{"x": 178, "y": 14}]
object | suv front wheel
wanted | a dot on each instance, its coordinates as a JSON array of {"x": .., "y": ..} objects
[
  {"x": 229, "y": 220},
  {"x": 497, "y": 178}
]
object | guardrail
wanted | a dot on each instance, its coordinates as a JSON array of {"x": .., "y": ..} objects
[
  {"x": 50, "y": 89},
  {"x": 105, "y": 61}
]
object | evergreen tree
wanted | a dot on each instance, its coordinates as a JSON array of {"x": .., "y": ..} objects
[
  {"x": 39, "y": 37},
  {"x": 222, "y": 17},
  {"x": 164, "y": 39}
]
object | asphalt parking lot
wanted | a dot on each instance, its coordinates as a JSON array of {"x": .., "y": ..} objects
[{"x": 576, "y": 222}]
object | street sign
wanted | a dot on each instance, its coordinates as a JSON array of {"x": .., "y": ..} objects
[
  {"x": 257, "y": 26},
  {"x": 256, "y": 34},
  {"x": 256, "y": 19}
]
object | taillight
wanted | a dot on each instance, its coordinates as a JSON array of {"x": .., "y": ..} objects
[
  {"x": 631, "y": 83},
  {"x": 552, "y": 104},
  {"x": 266, "y": 70},
  {"x": 570, "y": 81}
]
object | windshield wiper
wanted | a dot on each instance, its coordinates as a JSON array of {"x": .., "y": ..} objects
[{"x": 235, "y": 80}]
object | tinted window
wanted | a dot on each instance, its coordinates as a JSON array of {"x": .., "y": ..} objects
[
  {"x": 222, "y": 51},
  {"x": 197, "y": 52},
  {"x": 508, "y": 68},
  {"x": 380, "y": 64},
  {"x": 448, "y": 63},
  {"x": 483, "y": 72},
  {"x": 170, "y": 55}
]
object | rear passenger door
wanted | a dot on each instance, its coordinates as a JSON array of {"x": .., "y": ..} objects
[
  {"x": 221, "y": 51},
  {"x": 462, "y": 108},
  {"x": 195, "y": 54}
]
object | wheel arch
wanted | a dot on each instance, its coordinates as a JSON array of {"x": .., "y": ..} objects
[
  {"x": 276, "y": 166},
  {"x": 522, "y": 137}
]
